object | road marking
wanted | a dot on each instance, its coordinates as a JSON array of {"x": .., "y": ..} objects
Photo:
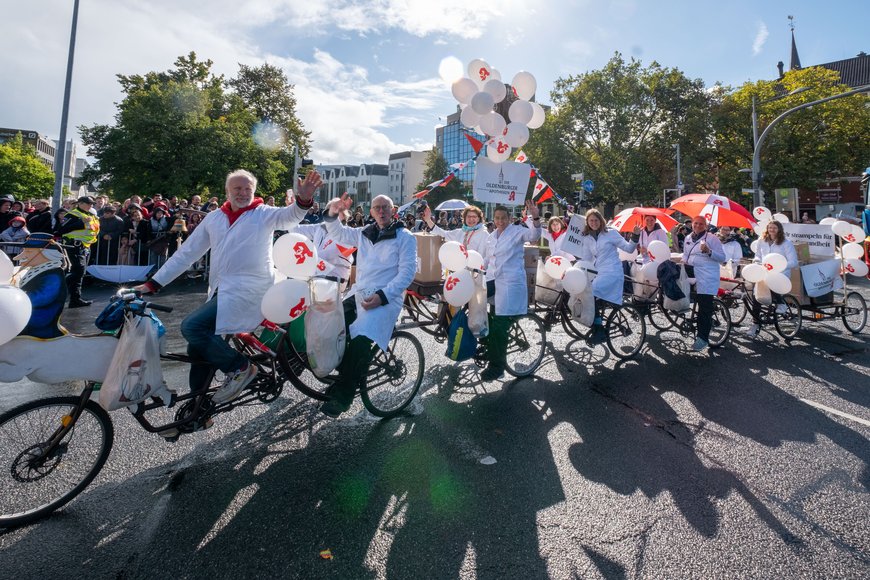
[{"x": 836, "y": 412}]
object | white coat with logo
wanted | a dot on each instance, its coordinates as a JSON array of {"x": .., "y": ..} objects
[
  {"x": 608, "y": 283},
  {"x": 505, "y": 264},
  {"x": 389, "y": 266},
  {"x": 707, "y": 272},
  {"x": 241, "y": 267}
]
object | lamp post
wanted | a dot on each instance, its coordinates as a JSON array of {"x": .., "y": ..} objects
[
  {"x": 679, "y": 177},
  {"x": 60, "y": 150},
  {"x": 756, "y": 154}
]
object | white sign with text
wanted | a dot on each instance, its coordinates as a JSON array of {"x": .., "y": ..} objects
[
  {"x": 501, "y": 183},
  {"x": 573, "y": 243},
  {"x": 821, "y": 278},
  {"x": 819, "y": 238}
]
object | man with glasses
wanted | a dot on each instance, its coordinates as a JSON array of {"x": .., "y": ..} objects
[
  {"x": 386, "y": 264},
  {"x": 79, "y": 230}
]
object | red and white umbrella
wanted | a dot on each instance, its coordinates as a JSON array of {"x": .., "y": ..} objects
[
  {"x": 717, "y": 209},
  {"x": 628, "y": 219}
]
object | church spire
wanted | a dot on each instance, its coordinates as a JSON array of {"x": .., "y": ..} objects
[{"x": 795, "y": 63}]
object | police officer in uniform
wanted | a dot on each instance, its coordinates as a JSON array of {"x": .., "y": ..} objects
[{"x": 79, "y": 230}]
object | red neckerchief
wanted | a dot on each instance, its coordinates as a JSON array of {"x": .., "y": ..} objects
[
  {"x": 234, "y": 215},
  {"x": 557, "y": 234}
]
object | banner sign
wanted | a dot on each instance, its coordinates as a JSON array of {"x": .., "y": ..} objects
[
  {"x": 501, "y": 183},
  {"x": 821, "y": 277},
  {"x": 573, "y": 242},
  {"x": 819, "y": 238}
]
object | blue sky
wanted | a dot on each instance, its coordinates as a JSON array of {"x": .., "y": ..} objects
[{"x": 367, "y": 72}]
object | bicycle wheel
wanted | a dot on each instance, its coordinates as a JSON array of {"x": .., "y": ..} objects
[
  {"x": 394, "y": 376},
  {"x": 571, "y": 325},
  {"x": 737, "y": 310},
  {"x": 854, "y": 312},
  {"x": 721, "y": 328},
  {"x": 626, "y": 331},
  {"x": 788, "y": 323},
  {"x": 527, "y": 340},
  {"x": 34, "y": 483},
  {"x": 294, "y": 368},
  {"x": 658, "y": 318},
  {"x": 424, "y": 310}
]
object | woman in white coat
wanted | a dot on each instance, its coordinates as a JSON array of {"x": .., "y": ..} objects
[
  {"x": 772, "y": 241},
  {"x": 506, "y": 278},
  {"x": 732, "y": 248},
  {"x": 601, "y": 244},
  {"x": 472, "y": 234},
  {"x": 650, "y": 233},
  {"x": 555, "y": 236},
  {"x": 702, "y": 255}
]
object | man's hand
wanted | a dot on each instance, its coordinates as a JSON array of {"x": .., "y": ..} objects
[
  {"x": 142, "y": 289},
  {"x": 288, "y": 201},
  {"x": 532, "y": 209},
  {"x": 427, "y": 216},
  {"x": 305, "y": 189},
  {"x": 372, "y": 301},
  {"x": 339, "y": 204},
  {"x": 636, "y": 230}
]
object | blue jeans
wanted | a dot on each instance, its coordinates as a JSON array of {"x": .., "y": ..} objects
[{"x": 204, "y": 345}]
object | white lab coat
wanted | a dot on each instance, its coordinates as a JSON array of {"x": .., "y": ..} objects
[
  {"x": 608, "y": 283},
  {"x": 707, "y": 271},
  {"x": 733, "y": 253},
  {"x": 389, "y": 266},
  {"x": 505, "y": 264},
  {"x": 475, "y": 240},
  {"x": 327, "y": 250},
  {"x": 646, "y": 238},
  {"x": 241, "y": 267},
  {"x": 786, "y": 248},
  {"x": 556, "y": 245}
]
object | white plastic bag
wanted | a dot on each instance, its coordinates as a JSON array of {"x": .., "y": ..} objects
[
  {"x": 642, "y": 288},
  {"x": 547, "y": 288},
  {"x": 478, "y": 317},
  {"x": 582, "y": 306},
  {"x": 325, "y": 334},
  {"x": 135, "y": 373},
  {"x": 686, "y": 287},
  {"x": 762, "y": 293}
]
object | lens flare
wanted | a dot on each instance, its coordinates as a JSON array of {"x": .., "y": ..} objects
[
  {"x": 269, "y": 136},
  {"x": 451, "y": 69}
]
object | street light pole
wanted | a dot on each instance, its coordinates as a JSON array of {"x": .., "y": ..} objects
[
  {"x": 679, "y": 177},
  {"x": 60, "y": 150},
  {"x": 756, "y": 154}
]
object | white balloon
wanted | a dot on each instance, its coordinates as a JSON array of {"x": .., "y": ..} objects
[
  {"x": 285, "y": 301},
  {"x": 658, "y": 252},
  {"x": 15, "y": 310},
  {"x": 524, "y": 85},
  {"x": 517, "y": 134},
  {"x": 453, "y": 256},
  {"x": 754, "y": 246},
  {"x": 482, "y": 103},
  {"x": 520, "y": 112},
  {"x": 762, "y": 214},
  {"x": 492, "y": 124},
  {"x": 855, "y": 235},
  {"x": 856, "y": 267},
  {"x": 753, "y": 273},
  {"x": 650, "y": 272},
  {"x": 6, "y": 268},
  {"x": 475, "y": 260},
  {"x": 759, "y": 228},
  {"x": 574, "y": 280},
  {"x": 781, "y": 218},
  {"x": 458, "y": 288},
  {"x": 295, "y": 256},
  {"x": 495, "y": 88},
  {"x": 827, "y": 221},
  {"x": 498, "y": 150},
  {"x": 774, "y": 263},
  {"x": 841, "y": 228},
  {"x": 556, "y": 266},
  {"x": 494, "y": 74},
  {"x": 778, "y": 282},
  {"x": 463, "y": 89},
  {"x": 537, "y": 116},
  {"x": 853, "y": 251},
  {"x": 479, "y": 71},
  {"x": 469, "y": 118}
]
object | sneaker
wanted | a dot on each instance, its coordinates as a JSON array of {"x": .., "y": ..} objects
[
  {"x": 781, "y": 308},
  {"x": 234, "y": 384},
  {"x": 700, "y": 344},
  {"x": 598, "y": 334},
  {"x": 752, "y": 331},
  {"x": 341, "y": 398},
  {"x": 492, "y": 372}
]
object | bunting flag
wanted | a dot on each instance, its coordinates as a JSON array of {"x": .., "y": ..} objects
[
  {"x": 459, "y": 166},
  {"x": 345, "y": 251},
  {"x": 475, "y": 144},
  {"x": 542, "y": 191},
  {"x": 440, "y": 183},
  {"x": 521, "y": 157}
]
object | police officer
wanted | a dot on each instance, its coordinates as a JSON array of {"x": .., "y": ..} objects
[{"x": 79, "y": 230}]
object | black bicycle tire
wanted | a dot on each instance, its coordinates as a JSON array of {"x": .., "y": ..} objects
[
  {"x": 863, "y": 308},
  {"x": 108, "y": 430},
  {"x": 571, "y": 326},
  {"x": 364, "y": 393},
  {"x": 718, "y": 303},
  {"x": 789, "y": 301},
  {"x": 539, "y": 357},
  {"x": 298, "y": 383},
  {"x": 654, "y": 313},
  {"x": 609, "y": 322}
]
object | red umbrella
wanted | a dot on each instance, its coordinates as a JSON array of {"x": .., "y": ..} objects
[
  {"x": 627, "y": 219},
  {"x": 719, "y": 210}
]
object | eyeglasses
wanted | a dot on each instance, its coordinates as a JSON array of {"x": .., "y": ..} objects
[{"x": 382, "y": 208}]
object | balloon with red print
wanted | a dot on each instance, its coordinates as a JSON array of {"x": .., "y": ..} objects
[
  {"x": 555, "y": 266},
  {"x": 453, "y": 256},
  {"x": 524, "y": 85},
  {"x": 458, "y": 288},
  {"x": 295, "y": 256},
  {"x": 285, "y": 301}
]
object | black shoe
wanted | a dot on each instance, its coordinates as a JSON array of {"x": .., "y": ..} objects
[
  {"x": 598, "y": 335},
  {"x": 80, "y": 303},
  {"x": 492, "y": 372},
  {"x": 335, "y": 407}
]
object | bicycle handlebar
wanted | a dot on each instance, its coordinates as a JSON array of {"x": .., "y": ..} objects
[{"x": 131, "y": 295}]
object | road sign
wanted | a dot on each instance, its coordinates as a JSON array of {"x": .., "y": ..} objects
[
  {"x": 680, "y": 185},
  {"x": 577, "y": 176},
  {"x": 588, "y": 185}
]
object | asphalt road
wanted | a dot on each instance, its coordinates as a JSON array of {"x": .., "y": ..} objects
[{"x": 673, "y": 465}]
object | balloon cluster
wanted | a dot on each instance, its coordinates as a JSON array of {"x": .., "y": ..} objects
[
  {"x": 657, "y": 252},
  {"x": 295, "y": 257},
  {"x": 15, "y": 305},
  {"x": 764, "y": 216},
  {"x": 480, "y": 91},
  {"x": 852, "y": 251},
  {"x": 461, "y": 265},
  {"x": 770, "y": 271},
  {"x": 573, "y": 279}
]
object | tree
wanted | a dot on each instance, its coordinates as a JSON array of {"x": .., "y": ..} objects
[
  {"x": 22, "y": 173},
  {"x": 618, "y": 125},
  {"x": 180, "y": 132},
  {"x": 826, "y": 141},
  {"x": 436, "y": 169}
]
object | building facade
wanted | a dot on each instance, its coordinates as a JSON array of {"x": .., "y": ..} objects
[
  {"x": 455, "y": 148},
  {"x": 406, "y": 171},
  {"x": 361, "y": 182},
  {"x": 44, "y": 146}
]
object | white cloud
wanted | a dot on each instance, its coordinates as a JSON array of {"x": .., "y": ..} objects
[{"x": 760, "y": 38}]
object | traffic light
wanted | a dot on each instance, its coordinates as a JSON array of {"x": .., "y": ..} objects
[{"x": 307, "y": 162}]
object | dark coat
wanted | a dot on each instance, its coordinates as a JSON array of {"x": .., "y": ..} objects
[{"x": 48, "y": 293}]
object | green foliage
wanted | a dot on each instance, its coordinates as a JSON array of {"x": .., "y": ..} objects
[
  {"x": 827, "y": 140},
  {"x": 22, "y": 173},
  {"x": 437, "y": 168},
  {"x": 180, "y": 132}
]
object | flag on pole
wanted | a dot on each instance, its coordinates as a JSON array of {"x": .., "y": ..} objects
[{"x": 542, "y": 191}]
